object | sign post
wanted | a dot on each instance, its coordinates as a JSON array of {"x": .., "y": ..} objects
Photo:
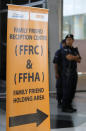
[{"x": 27, "y": 69}]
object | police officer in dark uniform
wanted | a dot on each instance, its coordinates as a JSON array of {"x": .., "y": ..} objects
[
  {"x": 70, "y": 57},
  {"x": 58, "y": 70}
]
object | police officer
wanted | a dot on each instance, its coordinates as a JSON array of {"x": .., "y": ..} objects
[
  {"x": 70, "y": 57},
  {"x": 58, "y": 70}
]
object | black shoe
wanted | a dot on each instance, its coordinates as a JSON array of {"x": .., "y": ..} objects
[
  {"x": 74, "y": 110},
  {"x": 59, "y": 105},
  {"x": 67, "y": 110},
  {"x": 59, "y": 102}
]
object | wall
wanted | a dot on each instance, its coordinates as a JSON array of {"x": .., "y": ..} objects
[
  {"x": 55, "y": 34},
  {"x": 74, "y": 7}
]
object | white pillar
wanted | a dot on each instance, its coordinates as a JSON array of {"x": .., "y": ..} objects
[{"x": 55, "y": 34}]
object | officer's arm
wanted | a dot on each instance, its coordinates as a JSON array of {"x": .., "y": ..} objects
[
  {"x": 56, "y": 71},
  {"x": 72, "y": 57},
  {"x": 79, "y": 60}
]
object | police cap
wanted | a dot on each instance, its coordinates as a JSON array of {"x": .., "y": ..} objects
[{"x": 69, "y": 36}]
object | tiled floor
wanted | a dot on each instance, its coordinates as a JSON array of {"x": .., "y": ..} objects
[
  {"x": 60, "y": 121},
  {"x": 71, "y": 129},
  {"x": 2, "y": 117},
  {"x": 69, "y": 121}
]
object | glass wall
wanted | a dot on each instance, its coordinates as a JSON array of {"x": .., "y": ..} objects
[
  {"x": 76, "y": 25},
  {"x": 74, "y": 21},
  {"x": 74, "y": 18}
]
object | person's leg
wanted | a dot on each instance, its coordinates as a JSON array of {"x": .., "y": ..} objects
[
  {"x": 59, "y": 90},
  {"x": 74, "y": 81},
  {"x": 67, "y": 90},
  {"x": 73, "y": 85}
]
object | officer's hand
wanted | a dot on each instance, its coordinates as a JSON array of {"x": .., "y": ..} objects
[
  {"x": 69, "y": 57},
  {"x": 72, "y": 57},
  {"x": 56, "y": 75},
  {"x": 78, "y": 59}
]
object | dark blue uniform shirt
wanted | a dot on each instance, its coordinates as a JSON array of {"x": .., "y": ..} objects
[
  {"x": 69, "y": 67},
  {"x": 58, "y": 60}
]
